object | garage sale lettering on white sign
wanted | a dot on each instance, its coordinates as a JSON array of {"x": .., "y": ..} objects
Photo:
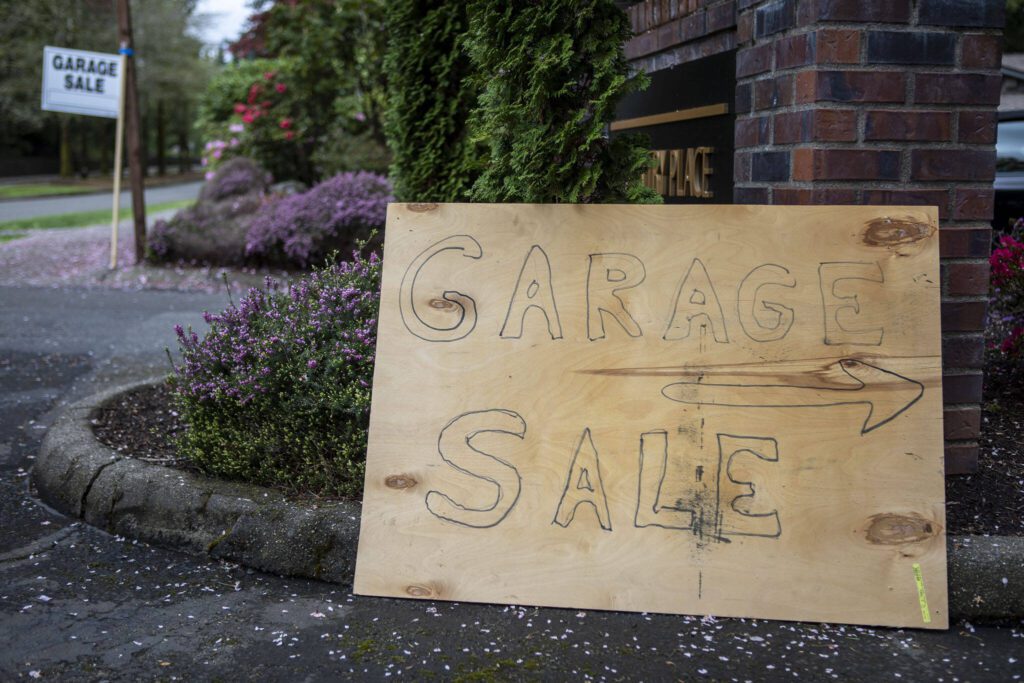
[{"x": 81, "y": 82}]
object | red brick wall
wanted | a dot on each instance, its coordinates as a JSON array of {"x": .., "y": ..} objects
[{"x": 864, "y": 102}]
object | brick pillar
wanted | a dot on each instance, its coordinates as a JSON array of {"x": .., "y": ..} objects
[{"x": 883, "y": 102}]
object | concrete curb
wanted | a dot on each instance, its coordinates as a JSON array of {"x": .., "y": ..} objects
[
  {"x": 259, "y": 528},
  {"x": 251, "y": 525}
]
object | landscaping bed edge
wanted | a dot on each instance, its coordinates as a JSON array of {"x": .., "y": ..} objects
[
  {"x": 259, "y": 528},
  {"x": 251, "y": 525}
]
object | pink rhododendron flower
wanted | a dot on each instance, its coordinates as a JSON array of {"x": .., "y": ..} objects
[
  {"x": 239, "y": 108},
  {"x": 286, "y": 123},
  {"x": 280, "y": 87}
]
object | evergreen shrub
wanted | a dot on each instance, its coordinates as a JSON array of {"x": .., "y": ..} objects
[
  {"x": 552, "y": 75},
  {"x": 430, "y": 97},
  {"x": 277, "y": 392}
]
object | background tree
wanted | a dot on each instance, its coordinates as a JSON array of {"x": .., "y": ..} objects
[
  {"x": 170, "y": 67},
  {"x": 330, "y": 53},
  {"x": 553, "y": 73},
  {"x": 430, "y": 97}
]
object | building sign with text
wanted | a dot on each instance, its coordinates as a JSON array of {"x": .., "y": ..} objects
[{"x": 687, "y": 114}]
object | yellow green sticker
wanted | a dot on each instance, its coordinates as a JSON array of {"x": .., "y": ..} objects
[{"x": 921, "y": 597}]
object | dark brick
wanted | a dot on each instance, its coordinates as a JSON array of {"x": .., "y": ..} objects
[
  {"x": 818, "y": 195},
  {"x": 957, "y": 88},
  {"x": 643, "y": 44},
  {"x": 837, "y": 46},
  {"x": 751, "y": 61},
  {"x": 792, "y": 127},
  {"x": 961, "y": 387},
  {"x": 691, "y": 26},
  {"x": 965, "y": 242},
  {"x": 773, "y": 92},
  {"x": 963, "y": 350},
  {"x": 858, "y": 86},
  {"x": 741, "y": 167},
  {"x": 769, "y": 167},
  {"x": 833, "y": 125},
  {"x": 952, "y": 164},
  {"x": 750, "y": 195},
  {"x": 932, "y": 126},
  {"x": 980, "y": 51},
  {"x": 975, "y": 13},
  {"x": 939, "y": 198},
  {"x": 965, "y": 278},
  {"x": 973, "y": 204},
  {"x": 816, "y": 125},
  {"x": 720, "y": 42},
  {"x": 752, "y": 132},
  {"x": 963, "y": 316},
  {"x": 667, "y": 35},
  {"x": 915, "y": 47},
  {"x": 774, "y": 17},
  {"x": 795, "y": 50},
  {"x": 890, "y": 11},
  {"x": 961, "y": 458},
  {"x": 744, "y": 28},
  {"x": 721, "y": 17},
  {"x": 845, "y": 164},
  {"x": 744, "y": 98},
  {"x": 977, "y": 127},
  {"x": 961, "y": 422}
]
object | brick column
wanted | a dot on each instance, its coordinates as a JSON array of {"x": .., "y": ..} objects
[{"x": 894, "y": 102}]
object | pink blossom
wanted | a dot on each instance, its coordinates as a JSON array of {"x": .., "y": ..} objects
[{"x": 280, "y": 87}]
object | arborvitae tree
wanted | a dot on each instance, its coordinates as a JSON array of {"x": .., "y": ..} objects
[
  {"x": 430, "y": 97},
  {"x": 553, "y": 73}
]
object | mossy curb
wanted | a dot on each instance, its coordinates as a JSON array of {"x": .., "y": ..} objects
[
  {"x": 260, "y": 528},
  {"x": 251, "y": 525}
]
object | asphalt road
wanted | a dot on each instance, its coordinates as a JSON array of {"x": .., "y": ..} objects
[
  {"x": 79, "y": 604},
  {"x": 46, "y": 206}
]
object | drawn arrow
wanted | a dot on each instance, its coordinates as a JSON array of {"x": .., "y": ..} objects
[{"x": 886, "y": 393}]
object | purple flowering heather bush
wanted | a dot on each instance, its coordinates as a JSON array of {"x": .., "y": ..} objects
[
  {"x": 278, "y": 390},
  {"x": 303, "y": 229}
]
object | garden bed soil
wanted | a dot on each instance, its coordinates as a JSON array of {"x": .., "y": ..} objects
[{"x": 143, "y": 424}]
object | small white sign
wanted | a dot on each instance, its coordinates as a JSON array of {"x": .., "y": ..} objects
[{"x": 81, "y": 82}]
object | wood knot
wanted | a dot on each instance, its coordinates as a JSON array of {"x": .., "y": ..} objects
[
  {"x": 442, "y": 304},
  {"x": 896, "y": 232},
  {"x": 419, "y": 591},
  {"x": 400, "y": 481},
  {"x": 421, "y": 207},
  {"x": 894, "y": 529}
]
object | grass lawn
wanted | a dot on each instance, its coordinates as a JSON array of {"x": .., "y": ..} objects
[
  {"x": 82, "y": 218},
  {"x": 40, "y": 190}
]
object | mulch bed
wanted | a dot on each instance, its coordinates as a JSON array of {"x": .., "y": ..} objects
[{"x": 143, "y": 424}]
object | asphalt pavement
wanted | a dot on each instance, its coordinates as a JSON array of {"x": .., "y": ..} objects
[
  {"x": 46, "y": 206},
  {"x": 79, "y": 604}
]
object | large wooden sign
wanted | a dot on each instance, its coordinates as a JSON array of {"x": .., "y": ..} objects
[{"x": 728, "y": 410}]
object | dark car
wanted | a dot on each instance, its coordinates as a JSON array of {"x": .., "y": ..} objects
[{"x": 1009, "y": 183}]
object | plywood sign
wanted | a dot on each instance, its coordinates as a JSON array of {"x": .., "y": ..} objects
[{"x": 721, "y": 410}]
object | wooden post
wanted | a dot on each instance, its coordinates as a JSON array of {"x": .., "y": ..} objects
[
  {"x": 118, "y": 153},
  {"x": 124, "y": 25}
]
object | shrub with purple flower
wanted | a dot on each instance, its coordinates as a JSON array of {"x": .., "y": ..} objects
[
  {"x": 303, "y": 229},
  {"x": 278, "y": 390}
]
